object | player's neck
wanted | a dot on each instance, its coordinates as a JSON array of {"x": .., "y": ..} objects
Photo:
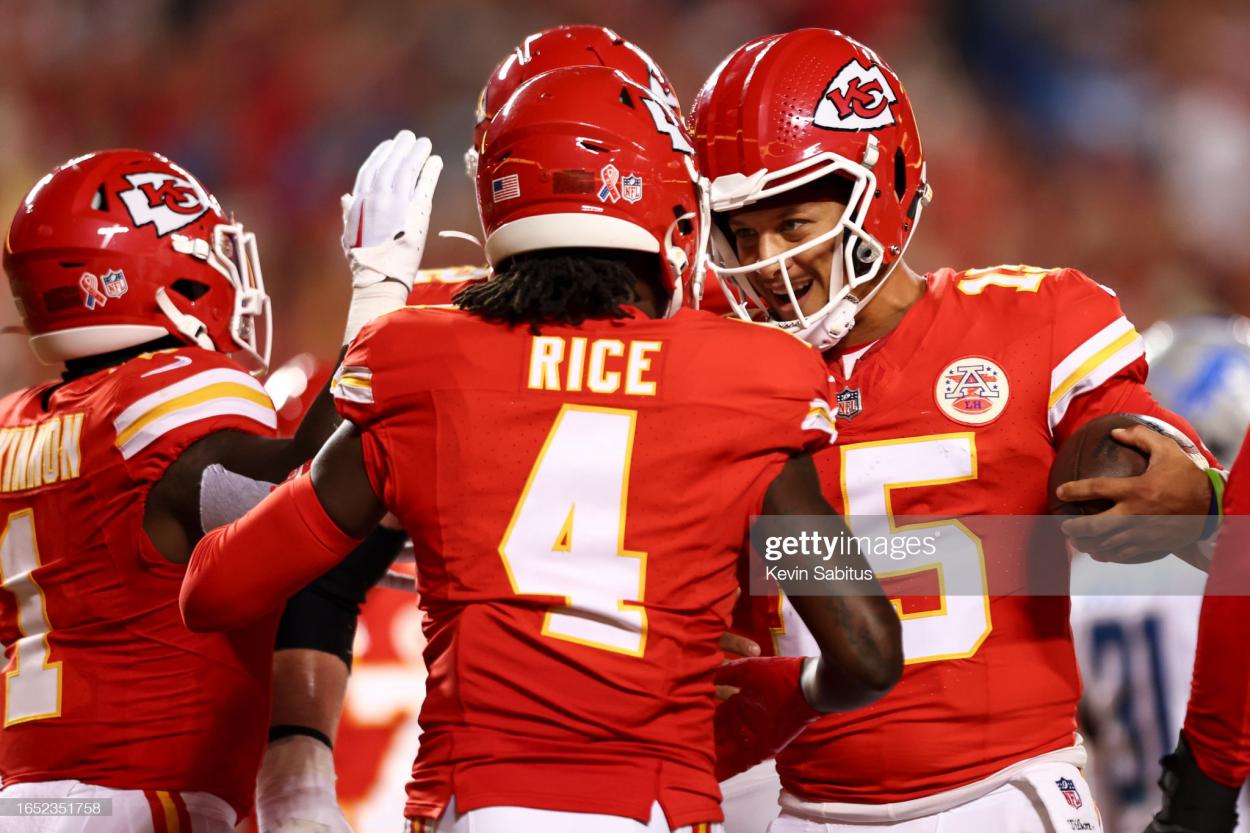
[
  {"x": 645, "y": 299},
  {"x": 902, "y": 288},
  {"x": 77, "y": 368}
]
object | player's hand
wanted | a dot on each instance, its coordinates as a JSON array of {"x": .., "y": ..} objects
[
  {"x": 732, "y": 643},
  {"x": 1192, "y": 802},
  {"x": 768, "y": 711},
  {"x": 387, "y": 215},
  {"x": 1160, "y": 511},
  {"x": 295, "y": 789}
]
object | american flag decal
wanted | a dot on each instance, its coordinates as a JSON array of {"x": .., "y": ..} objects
[{"x": 505, "y": 188}]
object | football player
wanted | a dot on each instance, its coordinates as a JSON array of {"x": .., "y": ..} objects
[
  {"x": 1137, "y": 652},
  {"x": 1204, "y": 774},
  {"x": 555, "y": 48},
  {"x": 953, "y": 391},
  {"x": 576, "y": 544},
  {"x": 125, "y": 269},
  {"x": 315, "y": 638}
]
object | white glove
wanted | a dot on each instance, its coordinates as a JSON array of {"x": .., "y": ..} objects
[
  {"x": 385, "y": 221},
  {"x": 295, "y": 790}
]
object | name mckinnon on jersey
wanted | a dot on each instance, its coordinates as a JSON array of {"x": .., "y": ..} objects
[
  {"x": 105, "y": 685},
  {"x": 40, "y": 454}
]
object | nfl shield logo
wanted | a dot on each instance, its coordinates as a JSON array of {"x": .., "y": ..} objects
[
  {"x": 631, "y": 188},
  {"x": 848, "y": 403},
  {"x": 1068, "y": 788},
  {"x": 114, "y": 282}
]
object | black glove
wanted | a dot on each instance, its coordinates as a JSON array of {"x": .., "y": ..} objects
[{"x": 1192, "y": 802}]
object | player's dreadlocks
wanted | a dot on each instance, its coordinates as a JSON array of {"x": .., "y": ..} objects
[{"x": 561, "y": 286}]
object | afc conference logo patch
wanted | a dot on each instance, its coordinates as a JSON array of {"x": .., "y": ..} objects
[
  {"x": 858, "y": 98},
  {"x": 1068, "y": 787},
  {"x": 165, "y": 201},
  {"x": 972, "y": 391}
]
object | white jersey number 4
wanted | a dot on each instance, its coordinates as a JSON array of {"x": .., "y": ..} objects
[{"x": 567, "y": 533}]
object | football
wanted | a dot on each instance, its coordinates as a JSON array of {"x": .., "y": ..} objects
[{"x": 1091, "y": 452}]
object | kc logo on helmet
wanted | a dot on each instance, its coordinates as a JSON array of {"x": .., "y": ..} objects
[
  {"x": 166, "y": 201},
  {"x": 858, "y": 98}
]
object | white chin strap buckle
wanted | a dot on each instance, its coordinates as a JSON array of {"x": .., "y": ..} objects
[{"x": 837, "y": 323}]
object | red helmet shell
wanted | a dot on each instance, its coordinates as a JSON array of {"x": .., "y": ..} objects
[
  {"x": 584, "y": 157},
  {"x": 119, "y": 247},
  {"x": 566, "y": 46},
  {"x": 777, "y": 110}
]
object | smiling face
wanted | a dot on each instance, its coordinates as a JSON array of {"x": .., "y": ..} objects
[{"x": 771, "y": 227}]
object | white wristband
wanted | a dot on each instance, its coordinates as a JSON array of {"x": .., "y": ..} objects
[{"x": 368, "y": 302}]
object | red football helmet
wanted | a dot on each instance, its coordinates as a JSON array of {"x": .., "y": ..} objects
[
  {"x": 785, "y": 110},
  {"x": 564, "y": 46},
  {"x": 120, "y": 247},
  {"x": 584, "y": 157}
]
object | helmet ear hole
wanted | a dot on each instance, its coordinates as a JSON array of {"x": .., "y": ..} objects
[
  {"x": 684, "y": 226},
  {"x": 900, "y": 174},
  {"x": 189, "y": 289}
]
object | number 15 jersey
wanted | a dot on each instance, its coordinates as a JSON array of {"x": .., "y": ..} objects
[{"x": 956, "y": 415}]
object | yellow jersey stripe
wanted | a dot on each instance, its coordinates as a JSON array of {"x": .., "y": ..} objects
[
  {"x": 221, "y": 390},
  {"x": 1089, "y": 365},
  {"x": 171, "y": 812},
  {"x": 355, "y": 382}
]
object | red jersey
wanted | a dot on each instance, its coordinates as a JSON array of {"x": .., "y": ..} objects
[
  {"x": 1217, "y": 719},
  {"x": 958, "y": 413},
  {"x": 435, "y": 287},
  {"x": 576, "y": 543},
  {"x": 105, "y": 684}
]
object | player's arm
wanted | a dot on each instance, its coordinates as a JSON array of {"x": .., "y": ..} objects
[
  {"x": 172, "y": 516},
  {"x": 858, "y": 631},
  {"x": 1203, "y": 776},
  {"x": 385, "y": 220},
  {"x": 1169, "y": 507},
  {"x": 1098, "y": 367},
  {"x": 240, "y": 572}
]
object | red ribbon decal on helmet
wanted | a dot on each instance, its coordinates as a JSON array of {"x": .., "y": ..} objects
[
  {"x": 90, "y": 286},
  {"x": 609, "y": 175}
]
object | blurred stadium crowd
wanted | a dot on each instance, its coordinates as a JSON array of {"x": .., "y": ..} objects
[{"x": 1109, "y": 136}]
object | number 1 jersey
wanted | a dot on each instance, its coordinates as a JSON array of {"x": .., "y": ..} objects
[{"x": 105, "y": 684}]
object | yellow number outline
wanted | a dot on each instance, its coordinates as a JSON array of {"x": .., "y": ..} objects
[
  {"x": 621, "y": 551},
  {"x": 889, "y": 507},
  {"x": 48, "y": 662}
]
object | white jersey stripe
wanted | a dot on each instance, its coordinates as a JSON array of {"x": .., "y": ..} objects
[
  {"x": 1120, "y": 354},
  {"x": 141, "y": 407},
  {"x": 223, "y": 406}
]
